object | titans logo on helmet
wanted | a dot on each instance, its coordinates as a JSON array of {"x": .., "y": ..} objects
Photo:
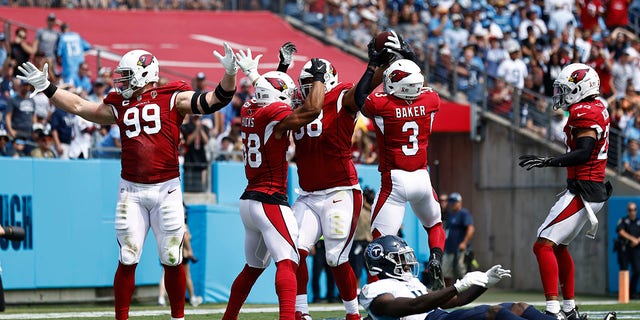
[
  {"x": 145, "y": 60},
  {"x": 375, "y": 251},
  {"x": 578, "y": 75},
  {"x": 398, "y": 75}
]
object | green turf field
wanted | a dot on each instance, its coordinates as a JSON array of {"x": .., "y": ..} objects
[{"x": 595, "y": 306}]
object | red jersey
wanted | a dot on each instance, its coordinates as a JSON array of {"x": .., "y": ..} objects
[
  {"x": 402, "y": 128},
  {"x": 590, "y": 11},
  {"x": 149, "y": 132},
  {"x": 616, "y": 13},
  {"x": 323, "y": 147},
  {"x": 593, "y": 115},
  {"x": 265, "y": 162}
]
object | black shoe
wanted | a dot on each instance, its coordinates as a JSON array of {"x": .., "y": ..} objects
[
  {"x": 611, "y": 316},
  {"x": 574, "y": 315},
  {"x": 558, "y": 316},
  {"x": 435, "y": 275}
]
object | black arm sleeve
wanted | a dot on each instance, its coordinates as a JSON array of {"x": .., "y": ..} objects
[
  {"x": 584, "y": 147},
  {"x": 282, "y": 67},
  {"x": 363, "y": 88}
]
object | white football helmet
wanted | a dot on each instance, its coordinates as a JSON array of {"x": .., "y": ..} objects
[
  {"x": 403, "y": 79},
  {"x": 274, "y": 86},
  {"x": 575, "y": 82},
  {"x": 306, "y": 79},
  {"x": 137, "y": 68}
]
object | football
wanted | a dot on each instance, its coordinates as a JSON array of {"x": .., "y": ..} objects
[{"x": 381, "y": 38}]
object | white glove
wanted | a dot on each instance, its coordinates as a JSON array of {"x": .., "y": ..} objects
[
  {"x": 38, "y": 79},
  {"x": 495, "y": 274},
  {"x": 393, "y": 42},
  {"x": 248, "y": 64},
  {"x": 228, "y": 61},
  {"x": 477, "y": 278}
]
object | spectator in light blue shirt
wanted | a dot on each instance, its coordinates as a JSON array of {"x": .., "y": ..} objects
[{"x": 70, "y": 52}]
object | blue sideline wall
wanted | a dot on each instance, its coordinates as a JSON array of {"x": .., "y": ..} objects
[{"x": 68, "y": 207}]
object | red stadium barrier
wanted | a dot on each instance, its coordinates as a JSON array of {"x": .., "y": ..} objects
[{"x": 183, "y": 41}]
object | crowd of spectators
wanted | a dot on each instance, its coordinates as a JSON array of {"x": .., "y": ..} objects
[
  {"x": 504, "y": 55},
  {"x": 497, "y": 54}
]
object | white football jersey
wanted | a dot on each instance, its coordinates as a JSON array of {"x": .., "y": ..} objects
[{"x": 397, "y": 288}]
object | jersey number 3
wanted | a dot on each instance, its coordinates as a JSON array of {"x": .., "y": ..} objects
[{"x": 412, "y": 148}]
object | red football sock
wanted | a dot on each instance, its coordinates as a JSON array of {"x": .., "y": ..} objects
[
  {"x": 566, "y": 267},
  {"x": 376, "y": 234},
  {"x": 286, "y": 288},
  {"x": 548, "y": 267},
  {"x": 176, "y": 284},
  {"x": 436, "y": 236},
  {"x": 123, "y": 285},
  {"x": 240, "y": 290},
  {"x": 302, "y": 274},
  {"x": 345, "y": 281}
]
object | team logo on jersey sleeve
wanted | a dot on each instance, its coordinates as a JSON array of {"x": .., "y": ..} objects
[
  {"x": 398, "y": 75},
  {"x": 578, "y": 75},
  {"x": 145, "y": 60}
]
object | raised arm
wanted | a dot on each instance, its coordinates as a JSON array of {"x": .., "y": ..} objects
[
  {"x": 63, "y": 99},
  {"x": 188, "y": 102},
  {"x": 312, "y": 106}
]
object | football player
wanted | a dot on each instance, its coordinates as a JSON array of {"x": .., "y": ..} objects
[
  {"x": 330, "y": 199},
  {"x": 403, "y": 114},
  {"x": 400, "y": 295},
  {"x": 587, "y": 138},
  {"x": 150, "y": 195},
  {"x": 271, "y": 229}
]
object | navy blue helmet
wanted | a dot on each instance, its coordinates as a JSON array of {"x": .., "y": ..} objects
[{"x": 390, "y": 257}]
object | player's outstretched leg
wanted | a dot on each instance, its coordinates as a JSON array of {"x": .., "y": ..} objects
[{"x": 240, "y": 290}]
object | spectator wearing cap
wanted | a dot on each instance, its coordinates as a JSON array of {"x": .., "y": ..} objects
[
  {"x": 502, "y": 16},
  {"x": 199, "y": 82},
  {"x": 70, "y": 52},
  {"x": 46, "y": 41},
  {"x": 460, "y": 230},
  {"x": 457, "y": 36},
  {"x": 44, "y": 144},
  {"x": 99, "y": 90},
  {"x": 495, "y": 55},
  {"x": 20, "y": 115},
  {"x": 513, "y": 70},
  {"x": 19, "y": 148}
]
